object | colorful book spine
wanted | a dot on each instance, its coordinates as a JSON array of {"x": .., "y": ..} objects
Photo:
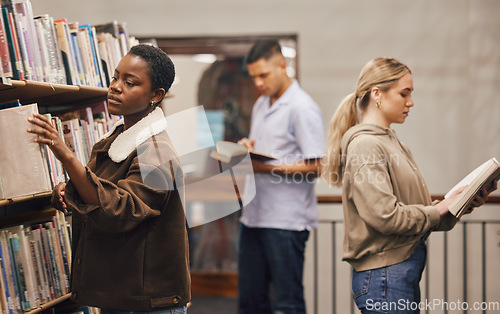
[
  {"x": 4, "y": 51},
  {"x": 16, "y": 71},
  {"x": 9, "y": 308}
]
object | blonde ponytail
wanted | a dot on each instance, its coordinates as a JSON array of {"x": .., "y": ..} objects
[{"x": 345, "y": 117}]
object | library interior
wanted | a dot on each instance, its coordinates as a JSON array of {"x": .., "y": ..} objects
[{"x": 58, "y": 58}]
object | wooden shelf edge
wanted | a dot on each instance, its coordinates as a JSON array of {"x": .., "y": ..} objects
[
  {"x": 48, "y": 94},
  {"x": 49, "y": 304},
  {"x": 10, "y": 201}
]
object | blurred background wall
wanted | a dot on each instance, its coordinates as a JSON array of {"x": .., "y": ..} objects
[{"x": 452, "y": 47}]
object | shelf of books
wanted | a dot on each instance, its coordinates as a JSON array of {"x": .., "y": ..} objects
[{"x": 61, "y": 69}]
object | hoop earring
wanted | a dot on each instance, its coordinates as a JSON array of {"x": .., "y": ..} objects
[{"x": 378, "y": 104}]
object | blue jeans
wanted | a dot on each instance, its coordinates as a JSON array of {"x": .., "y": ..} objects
[
  {"x": 177, "y": 310},
  {"x": 391, "y": 289},
  {"x": 271, "y": 257}
]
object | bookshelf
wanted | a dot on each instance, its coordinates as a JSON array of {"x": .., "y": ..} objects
[
  {"x": 50, "y": 95},
  {"x": 28, "y": 209},
  {"x": 50, "y": 304},
  {"x": 64, "y": 68}
]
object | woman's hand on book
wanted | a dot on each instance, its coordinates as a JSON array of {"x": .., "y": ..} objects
[
  {"x": 49, "y": 136},
  {"x": 443, "y": 205},
  {"x": 57, "y": 199},
  {"x": 483, "y": 194}
]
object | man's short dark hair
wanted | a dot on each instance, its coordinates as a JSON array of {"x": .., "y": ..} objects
[
  {"x": 263, "y": 49},
  {"x": 162, "y": 70}
]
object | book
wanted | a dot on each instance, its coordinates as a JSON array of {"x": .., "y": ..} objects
[
  {"x": 87, "y": 56},
  {"x": 17, "y": 50},
  {"x": 4, "y": 51},
  {"x": 482, "y": 176},
  {"x": 26, "y": 268},
  {"x": 10, "y": 104},
  {"x": 9, "y": 35},
  {"x": 226, "y": 150},
  {"x": 24, "y": 14},
  {"x": 98, "y": 58},
  {"x": 51, "y": 55},
  {"x": 66, "y": 53},
  {"x": 19, "y": 271},
  {"x": 23, "y": 168},
  {"x": 6, "y": 284}
]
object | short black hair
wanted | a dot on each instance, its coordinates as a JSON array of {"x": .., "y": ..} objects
[
  {"x": 162, "y": 70},
  {"x": 263, "y": 49}
]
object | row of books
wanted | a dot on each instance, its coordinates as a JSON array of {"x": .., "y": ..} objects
[
  {"x": 40, "y": 48},
  {"x": 28, "y": 168},
  {"x": 80, "y": 129},
  {"x": 35, "y": 263}
]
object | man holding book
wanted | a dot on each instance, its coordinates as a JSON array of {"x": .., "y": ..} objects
[{"x": 286, "y": 124}]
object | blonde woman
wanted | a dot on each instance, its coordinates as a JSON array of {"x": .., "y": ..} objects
[{"x": 388, "y": 211}]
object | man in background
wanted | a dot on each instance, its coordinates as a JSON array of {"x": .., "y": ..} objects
[{"x": 287, "y": 124}]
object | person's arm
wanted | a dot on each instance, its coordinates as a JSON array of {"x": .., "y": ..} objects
[
  {"x": 305, "y": 167},
  {"x": 448, "y": 221},
  {"x": 76, "y": 171}
]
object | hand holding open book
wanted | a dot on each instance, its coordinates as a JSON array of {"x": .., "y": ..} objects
[
  {"x": 226, "y": 150},
  {"x": 483, "y": 176}
]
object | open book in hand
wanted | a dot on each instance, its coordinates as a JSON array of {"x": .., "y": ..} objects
[
  {"x": 482, "y": 176},
  {"x": 226, "y": 150}
]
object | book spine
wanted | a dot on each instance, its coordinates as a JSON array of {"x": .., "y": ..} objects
[
  {"x": 78, "y": 56},
  {"x": 85, "y": 138},
  {"x": 23, "y": 7},
  {"x": 98, "y": 58},
  {"x": 11, "y": 273},
  {"x": 27, "y": 264},
  {"x": 19, "y": 60},
  {"x": 60, "y": 258},
  {"x": 106, "y": 65},
  {"x": 72, "y": 54},
  {"x": 65, "y": 53},
  {"x": 10, "y": 41},
  {"x": 48, "y": 263},
  {"x": 44, "y": 275},
  {"x": 66, "y": 237},
  {"x": 60, "y": 177},
  {"x": 37, "y": 269},
  {"x": 75, "y": 129},
  {"x": 19, "y": 272},
  {"x": 88, "y": 62},
  {"x": 53, "y": 260},
  {"x": 23, "y": 47},
  {"x": 61, "y": 74},
  {"x": 9, "y": 307},
  {"x": 4, "y": 51},
  {"x": 45, "y": 74}
]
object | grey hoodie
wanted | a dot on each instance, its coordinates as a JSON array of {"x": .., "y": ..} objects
[{"x": 386, "y": 202}]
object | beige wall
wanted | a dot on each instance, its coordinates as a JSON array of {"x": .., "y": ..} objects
[{"x": 452, "y": 46}]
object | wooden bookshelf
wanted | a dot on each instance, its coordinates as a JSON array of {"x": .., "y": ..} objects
[
  {"x": 49, "y": 304},
  {"x": 47, "y": 94},
  {"x": 11, "y": 201}
]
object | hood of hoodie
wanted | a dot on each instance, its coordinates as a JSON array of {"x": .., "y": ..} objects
[{"x": 361, "y": 129}]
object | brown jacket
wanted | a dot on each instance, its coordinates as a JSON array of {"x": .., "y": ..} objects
[
  {"x": 387, "y": 206},
  {"x": 130, "y": 252}
]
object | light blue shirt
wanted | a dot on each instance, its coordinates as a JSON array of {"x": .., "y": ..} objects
[{"x": 290, "y": 130}]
